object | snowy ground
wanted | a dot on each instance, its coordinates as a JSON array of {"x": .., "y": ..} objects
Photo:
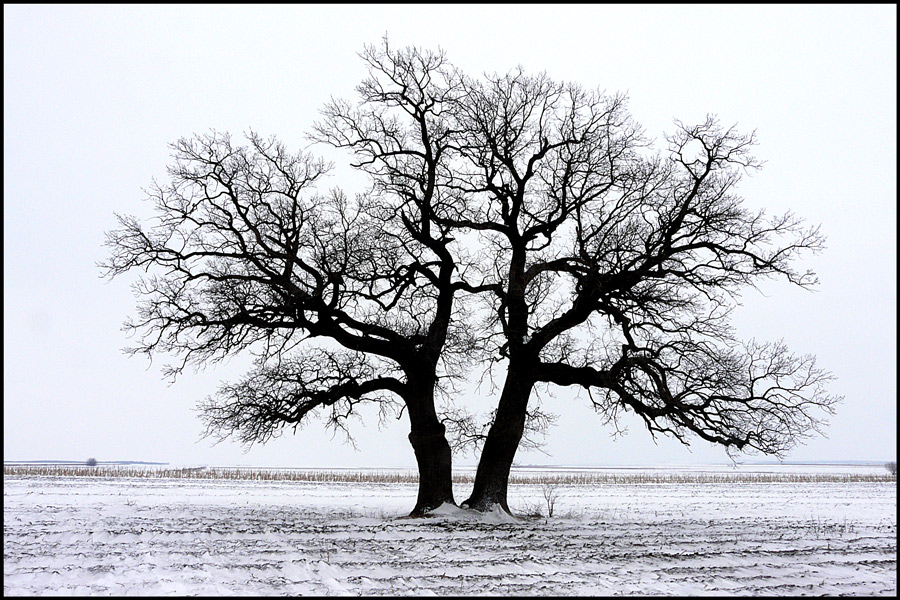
[{"x": 92, "y": 536}]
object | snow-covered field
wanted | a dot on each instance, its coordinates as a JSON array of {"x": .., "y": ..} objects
[{"x": 139, "y": 536}]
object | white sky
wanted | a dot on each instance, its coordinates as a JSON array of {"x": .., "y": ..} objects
[{"x": 93, "y": 95}]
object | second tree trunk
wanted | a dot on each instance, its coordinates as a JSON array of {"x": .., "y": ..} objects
[{"x": 492, "y": 477}]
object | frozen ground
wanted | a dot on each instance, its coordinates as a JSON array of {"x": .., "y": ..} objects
[{"x": 92, "y": 536}]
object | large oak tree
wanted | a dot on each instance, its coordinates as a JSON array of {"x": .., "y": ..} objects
[
  {"x": 615, "y": 270},
  {"x": 342, "y": 300},
  {"x": 511, "y": 220}
]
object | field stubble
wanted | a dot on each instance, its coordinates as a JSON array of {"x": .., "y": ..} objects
[{"x": 584, "y": 477}]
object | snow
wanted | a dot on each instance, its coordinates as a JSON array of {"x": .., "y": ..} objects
[
  {"x": 494, "y": 515},
  {"x": 93, "y": 536}
]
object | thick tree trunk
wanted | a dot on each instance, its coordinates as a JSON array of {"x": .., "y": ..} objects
[
  {"x": 435, "y": 472},
  {"x": 429, "y": 442},
  {"x": 492, "y": 477}
]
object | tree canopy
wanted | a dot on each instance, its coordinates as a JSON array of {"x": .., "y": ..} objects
[{"x": 512, "y": 221}]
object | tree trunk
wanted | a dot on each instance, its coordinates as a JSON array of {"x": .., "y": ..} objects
[
  {"x": 429, "y": 442},
  {"x": 492, "y": 477},
  {"x": 435, "y": 473}
]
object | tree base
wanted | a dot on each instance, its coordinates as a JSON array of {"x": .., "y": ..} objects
[
  {"x": 485, "y": 505},
  {"x": 425, "y": 510}
]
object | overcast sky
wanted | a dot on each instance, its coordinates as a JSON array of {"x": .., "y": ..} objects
[{"x": 93, "y": 95}]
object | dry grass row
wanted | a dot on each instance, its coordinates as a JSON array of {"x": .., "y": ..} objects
[{"x": 367, "y": 476}]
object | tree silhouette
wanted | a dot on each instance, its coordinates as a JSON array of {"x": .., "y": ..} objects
[
  {"x": 339, "y": 301},
  {"x": 511, "y": 220},
  {"x": 615, "y": 270}
]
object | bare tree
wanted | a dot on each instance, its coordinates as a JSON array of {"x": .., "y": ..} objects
[
  {"x": 597, "y": 265},
  {"x": 551, "y": 494},
  {"x": 615, "y": 270},
  {"x": 340, "y": 302}
]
